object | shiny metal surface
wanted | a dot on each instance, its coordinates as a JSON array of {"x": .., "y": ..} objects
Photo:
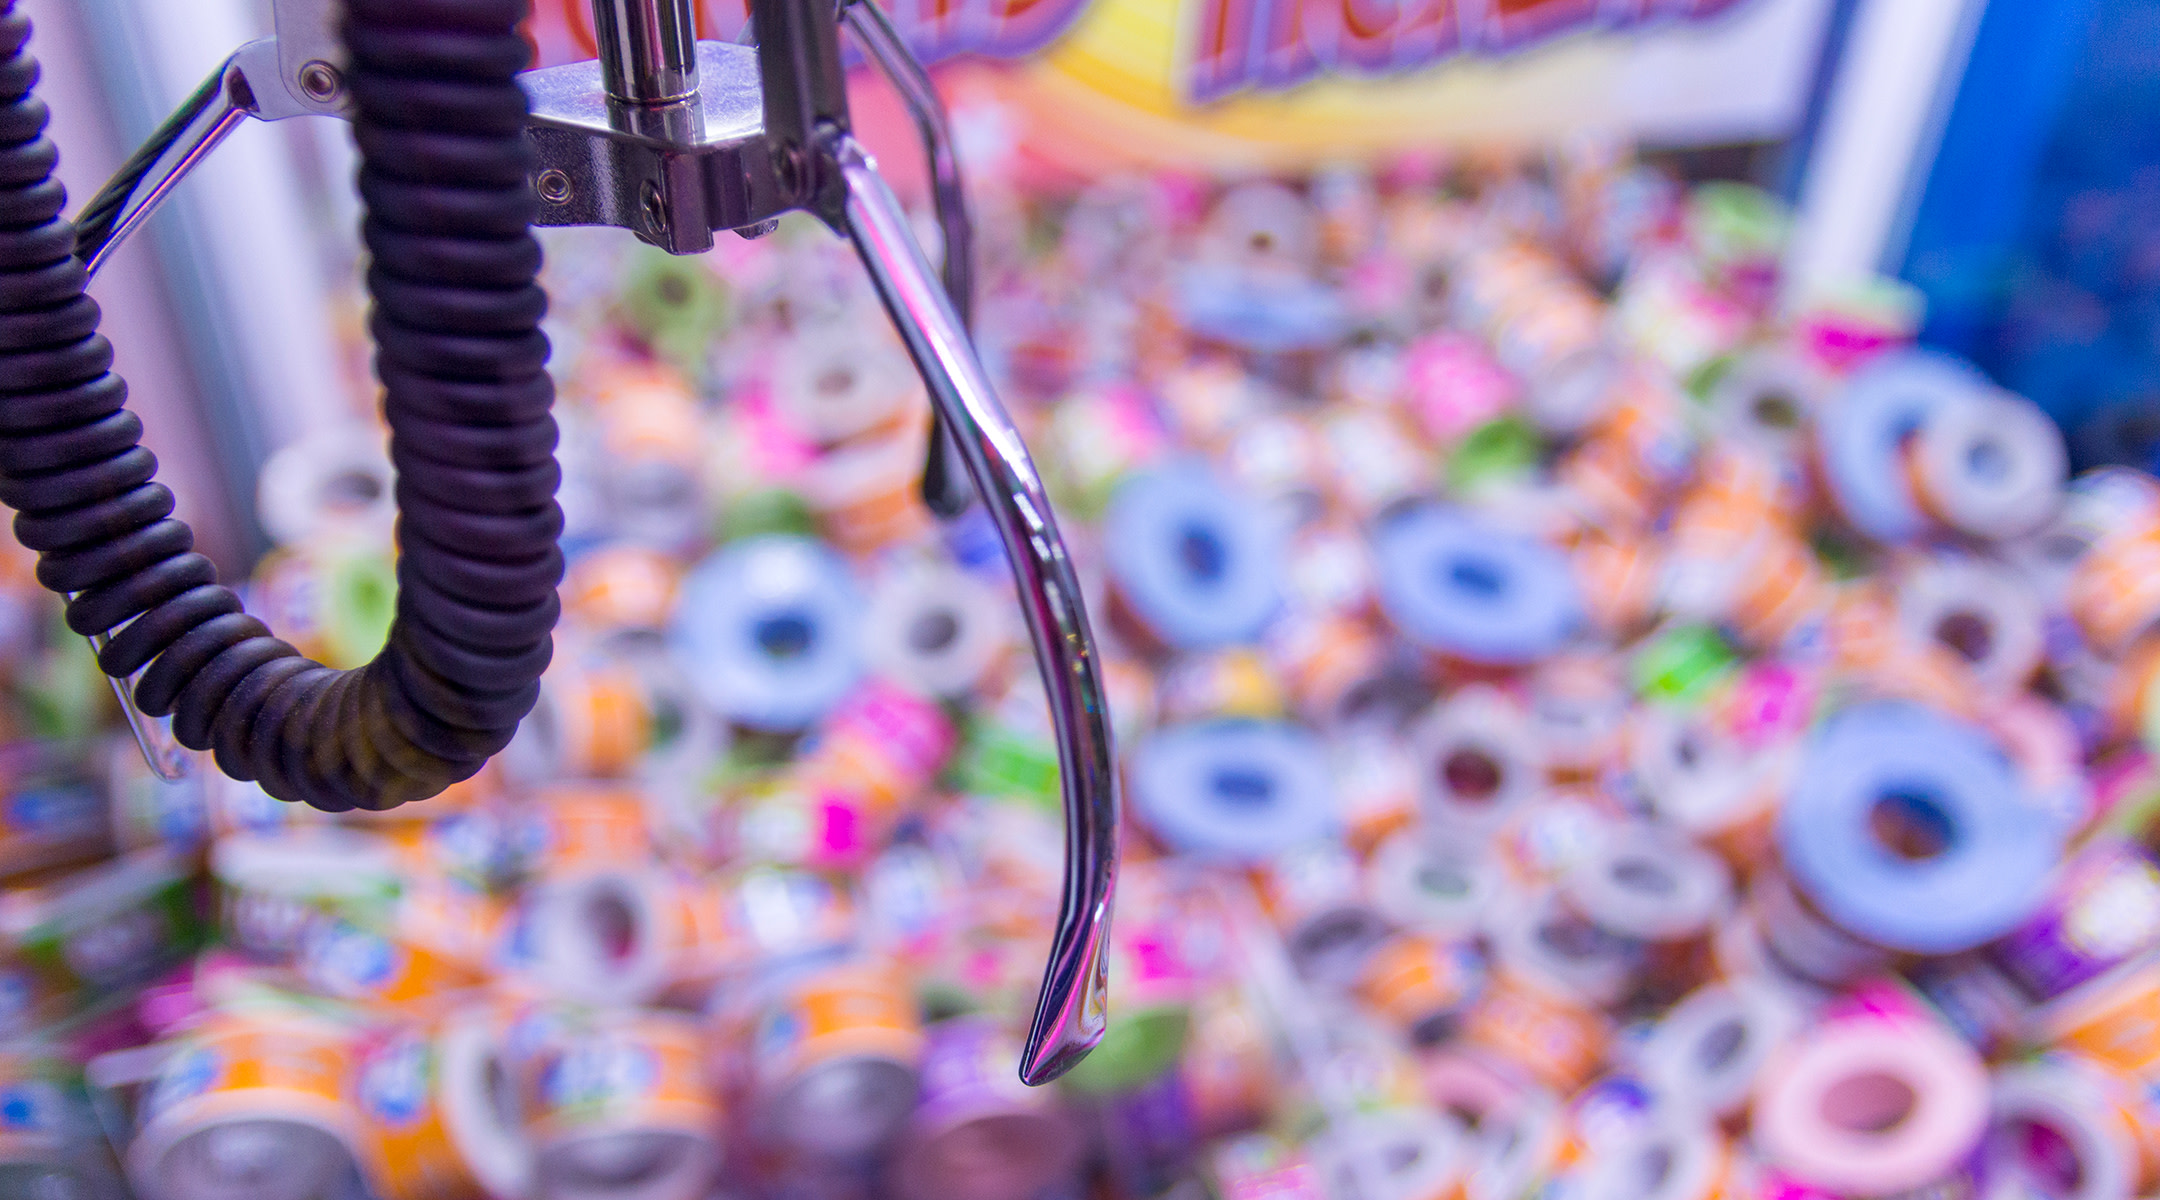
[
  {"x": 175, "y": 150},
  {"x": 647, "y": 49},
  {"x": 1070, "y": 1012},
  {"x": 306, "y": 44},
  {"x": 672, "y": 174},
  {"x": 944, "y": 485}
]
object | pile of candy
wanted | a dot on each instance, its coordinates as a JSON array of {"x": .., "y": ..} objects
[{"x": 1587, "y": 731}]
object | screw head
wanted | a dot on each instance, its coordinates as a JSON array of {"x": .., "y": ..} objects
[
  {"x": 321, "y": 81},
  {"x": 553, "y": 185}
]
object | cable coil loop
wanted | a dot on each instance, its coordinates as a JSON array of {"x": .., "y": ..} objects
[{"x": 439, "y": 119}]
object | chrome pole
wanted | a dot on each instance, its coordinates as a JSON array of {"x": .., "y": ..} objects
[{"x": 648, "y": 50}]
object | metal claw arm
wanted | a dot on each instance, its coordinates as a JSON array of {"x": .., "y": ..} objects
[
  {"x": 1070, "y": 1013},
  {"x": 944, "y": 485}
]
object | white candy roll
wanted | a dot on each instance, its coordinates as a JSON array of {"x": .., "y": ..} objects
[
  {"x": 603, "y": 936},
  {"x": 1707, "y": 1052},
  {"x": 936, "y": 628},
  {"x": 1433, "y": 888},
  {"x": 1993, "y": 466},
  {"x": 1983, "y": 613},
  {"x": 1479, "y": 759},
  {"x": 1394, "y": 1154},
  {"x": 1541, "y": 943},
  {"x": 2060, "y": 1130},
  {"x": 331, "y": 484},
  {"x": 1671, "y": 1159},
  {"x": 1872, "y": 1106},
  {"x": 1317, "y": 897},
  {"x": 1263, "y": 228},
  {"x": 1767, "y": 401},
  {"x": 1801, "y": 941},
  {"x": 1650, "y": 884},
  {"x": 832, "y": 383},
  {"x": 1699, "y": 778}
]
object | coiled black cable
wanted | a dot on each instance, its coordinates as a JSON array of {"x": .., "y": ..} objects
[{"x": 439, "y": 119}]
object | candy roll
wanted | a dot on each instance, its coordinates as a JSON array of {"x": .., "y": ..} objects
[
  {"x": 1518, "y": 1154},
  {"x": 979, "y": 1133},
  {"x": 1645, "y": 883},
  {"x": 1456, "y": 585},
  {"x": 1376, "y": 785},
  {"x": 1547, "y": 837},
  {"x": 1334, "y": 666},
  {"x": 1192, "y": 563},
  {"x": 1992, "y": 467},
  {"x": 1148, "y": 1134},
  {"x": 333, "y": 485},
  {"x": 1704, "y": 781},
  {"x": 440, "y": 1114},
  {"x": 50, "y": 1140},
  {"x": 1100, "y": 434},
  {"x": 101, "y": 928},
  {"x": 272, "y": 887},
  {"x": 1976, "y": 999},
  {"x": 1480, "y": 761},
  {"x": 258, "y": 1102},
  {"x": 1317, "y": 898},
  {"x": 936, "y": 628},
  {"x": 1396, "y": 1154},
  {"x": 769, "y": 628},
  {"x": 1983, "y": 614},
  {"x": 1235, "y": 790},
  {"x": 618, "y": 1108},
  {"x": 834, "y": 1058},
  {"x": 1272, "y": 316},
  {"x": 1766, "y": 401},
  {"x": 1225, "y": 683},
  {"x": 1620, "y": 578},
  {"x": 1871, "y": 1106},
  {"x": 832, "y": 384},
  {"x": 866, "y": 494},
  {"x": 1707, "y": 1052},
  {"x": 2103, "y": 912},
  {"x": 622, "y": 588},
  {"x": 1859, "y": 433},
  {"x": 2067, "y": 1126},
  {"x": 1433, "y": 888},
  {"x": 1671, "y": 1159},
  {"x": 1264, "y": 228},
  {"x": 1422, "y": 987},
  {"x": 1579, "y": 707},
  {"x": 1543, "y": 945},
  {"x": 1796, "y": 938},
  {"x": 1971, "y": 857},
  {"x": 410, "y": 967},
  {"x": 2114, "y": 1020},
  {"x": 609, "y": 935},
  {"x": 592, "y": 721}
]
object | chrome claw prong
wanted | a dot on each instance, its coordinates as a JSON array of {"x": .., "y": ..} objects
[{"x": 1071, "y": 1011}]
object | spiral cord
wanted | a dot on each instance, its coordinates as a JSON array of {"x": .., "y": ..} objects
[{"x": 439, "y": 120}]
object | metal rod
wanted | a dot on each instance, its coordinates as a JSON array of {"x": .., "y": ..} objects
[
  {"x": 150, "y": 175},
  {"x": 648, "y": 49},
  {"x": 121, "y": 207},
  {"x": 1070, "y": 1013},
  {"x": 944, "y": 487},
  {"x": 153, "y": 735}
]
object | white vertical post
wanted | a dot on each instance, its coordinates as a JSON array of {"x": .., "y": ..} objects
[{"x": 1888, "y": 102}]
